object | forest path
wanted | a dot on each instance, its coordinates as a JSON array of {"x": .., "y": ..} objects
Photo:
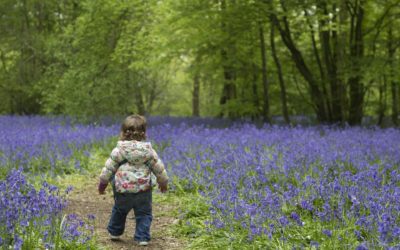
[{"x": 84, "y": 200}]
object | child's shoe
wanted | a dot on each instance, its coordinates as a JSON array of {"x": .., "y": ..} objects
[
  {"x": 143, "y": 243},
  {"x": 115, "y": 237}
]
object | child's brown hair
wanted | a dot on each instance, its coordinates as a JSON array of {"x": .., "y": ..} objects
[{"x": 133, "y": 128}]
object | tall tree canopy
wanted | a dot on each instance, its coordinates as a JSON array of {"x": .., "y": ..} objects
[{"x": 335, "y": 59}]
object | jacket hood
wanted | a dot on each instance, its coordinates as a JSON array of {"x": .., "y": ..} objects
[{"x": 136, "y": 152}]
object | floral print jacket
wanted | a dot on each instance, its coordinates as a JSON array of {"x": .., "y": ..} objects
[{"x": 135, "y": 175}]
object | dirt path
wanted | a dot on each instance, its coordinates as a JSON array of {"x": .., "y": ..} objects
[{"x": 85, "y": 200}]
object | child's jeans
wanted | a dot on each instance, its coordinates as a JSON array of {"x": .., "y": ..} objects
[{"x": 141, "y": 205}]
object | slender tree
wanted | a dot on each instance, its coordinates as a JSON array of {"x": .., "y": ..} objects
[
  {"x": 282, "y": 85},
  {"x": 196, "y": 95}
]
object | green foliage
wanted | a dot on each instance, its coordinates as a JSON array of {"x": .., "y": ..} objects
[{"x": 91, "y": 58}]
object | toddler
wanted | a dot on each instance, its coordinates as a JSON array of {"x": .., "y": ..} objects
[{"x": 132, "y": 161}]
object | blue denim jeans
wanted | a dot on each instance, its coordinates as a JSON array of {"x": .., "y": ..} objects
[{"x": 141, "y": 205}]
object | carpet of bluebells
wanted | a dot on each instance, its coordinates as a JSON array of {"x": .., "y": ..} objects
[
  {"x": 32, "y": 145},
  {"x": 278, "y": 187},
  {"x": 41, "y": 144},
  {"x": 31, "y": 218},
  {"x": 295, "y": 185}
]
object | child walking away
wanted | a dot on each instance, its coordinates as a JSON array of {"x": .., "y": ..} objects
[{"x": 132, "y": 161}]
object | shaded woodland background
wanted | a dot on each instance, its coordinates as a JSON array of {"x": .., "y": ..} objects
[{"x": 335, "y": 60}]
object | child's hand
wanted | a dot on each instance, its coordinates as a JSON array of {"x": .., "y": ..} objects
[
  {"x": 102, "y": 188},
  {"x": 163, "y": 187}
]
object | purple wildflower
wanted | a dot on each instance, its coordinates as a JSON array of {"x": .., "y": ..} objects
[
  {"x": 327, "y": 232},
  {"x": 362, "y": 246}
]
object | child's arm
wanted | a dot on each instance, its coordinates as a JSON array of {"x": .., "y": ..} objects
[
  {"x": 158, "y": 169},
  {"x": 110, "y": 167}
]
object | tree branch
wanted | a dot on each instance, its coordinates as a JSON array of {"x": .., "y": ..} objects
[{"x": 381, "y": 19}]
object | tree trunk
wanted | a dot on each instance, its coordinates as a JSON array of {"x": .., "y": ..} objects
[
  {"x": 340, "y": 43},
  {"x": 322, "y": 73},
  {"x": 266, "y": 113},
  {"x": 316, "y": 94},
  {"x": 255, "y": 91},
  {"x": 196, "y": 96},
  {"x": 330, "y": 58},
  {"x": 395, "y": 102},
  {"x": 382, "y": 101},
  {"x": 280, "y": 76},
  {"x": 229, "y": 88},
  {"x": 356, "y": 53},
  {"x": 394, "y": 85}
]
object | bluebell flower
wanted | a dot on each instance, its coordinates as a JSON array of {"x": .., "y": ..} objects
[
  {"x": 283, "y": 221},
  {"x": 24, "y": 223},
  {"x": 307, "y": 205},
  {"x": 91, "y": 216},
  {"x": 357, "y": 233},
  {"x": 362, "y": 246},
  {"x": 296, "y": 218},
  {"x": 314, "y": 244},
  {"x": 327, "y": 232},
  {"x": 69, "y": 189},
  {"x": 18, "y": 242},
  {"x": 49, "y": 245}
]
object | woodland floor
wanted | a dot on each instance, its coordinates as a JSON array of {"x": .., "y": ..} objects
[{"x": 84, "y": 200}]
